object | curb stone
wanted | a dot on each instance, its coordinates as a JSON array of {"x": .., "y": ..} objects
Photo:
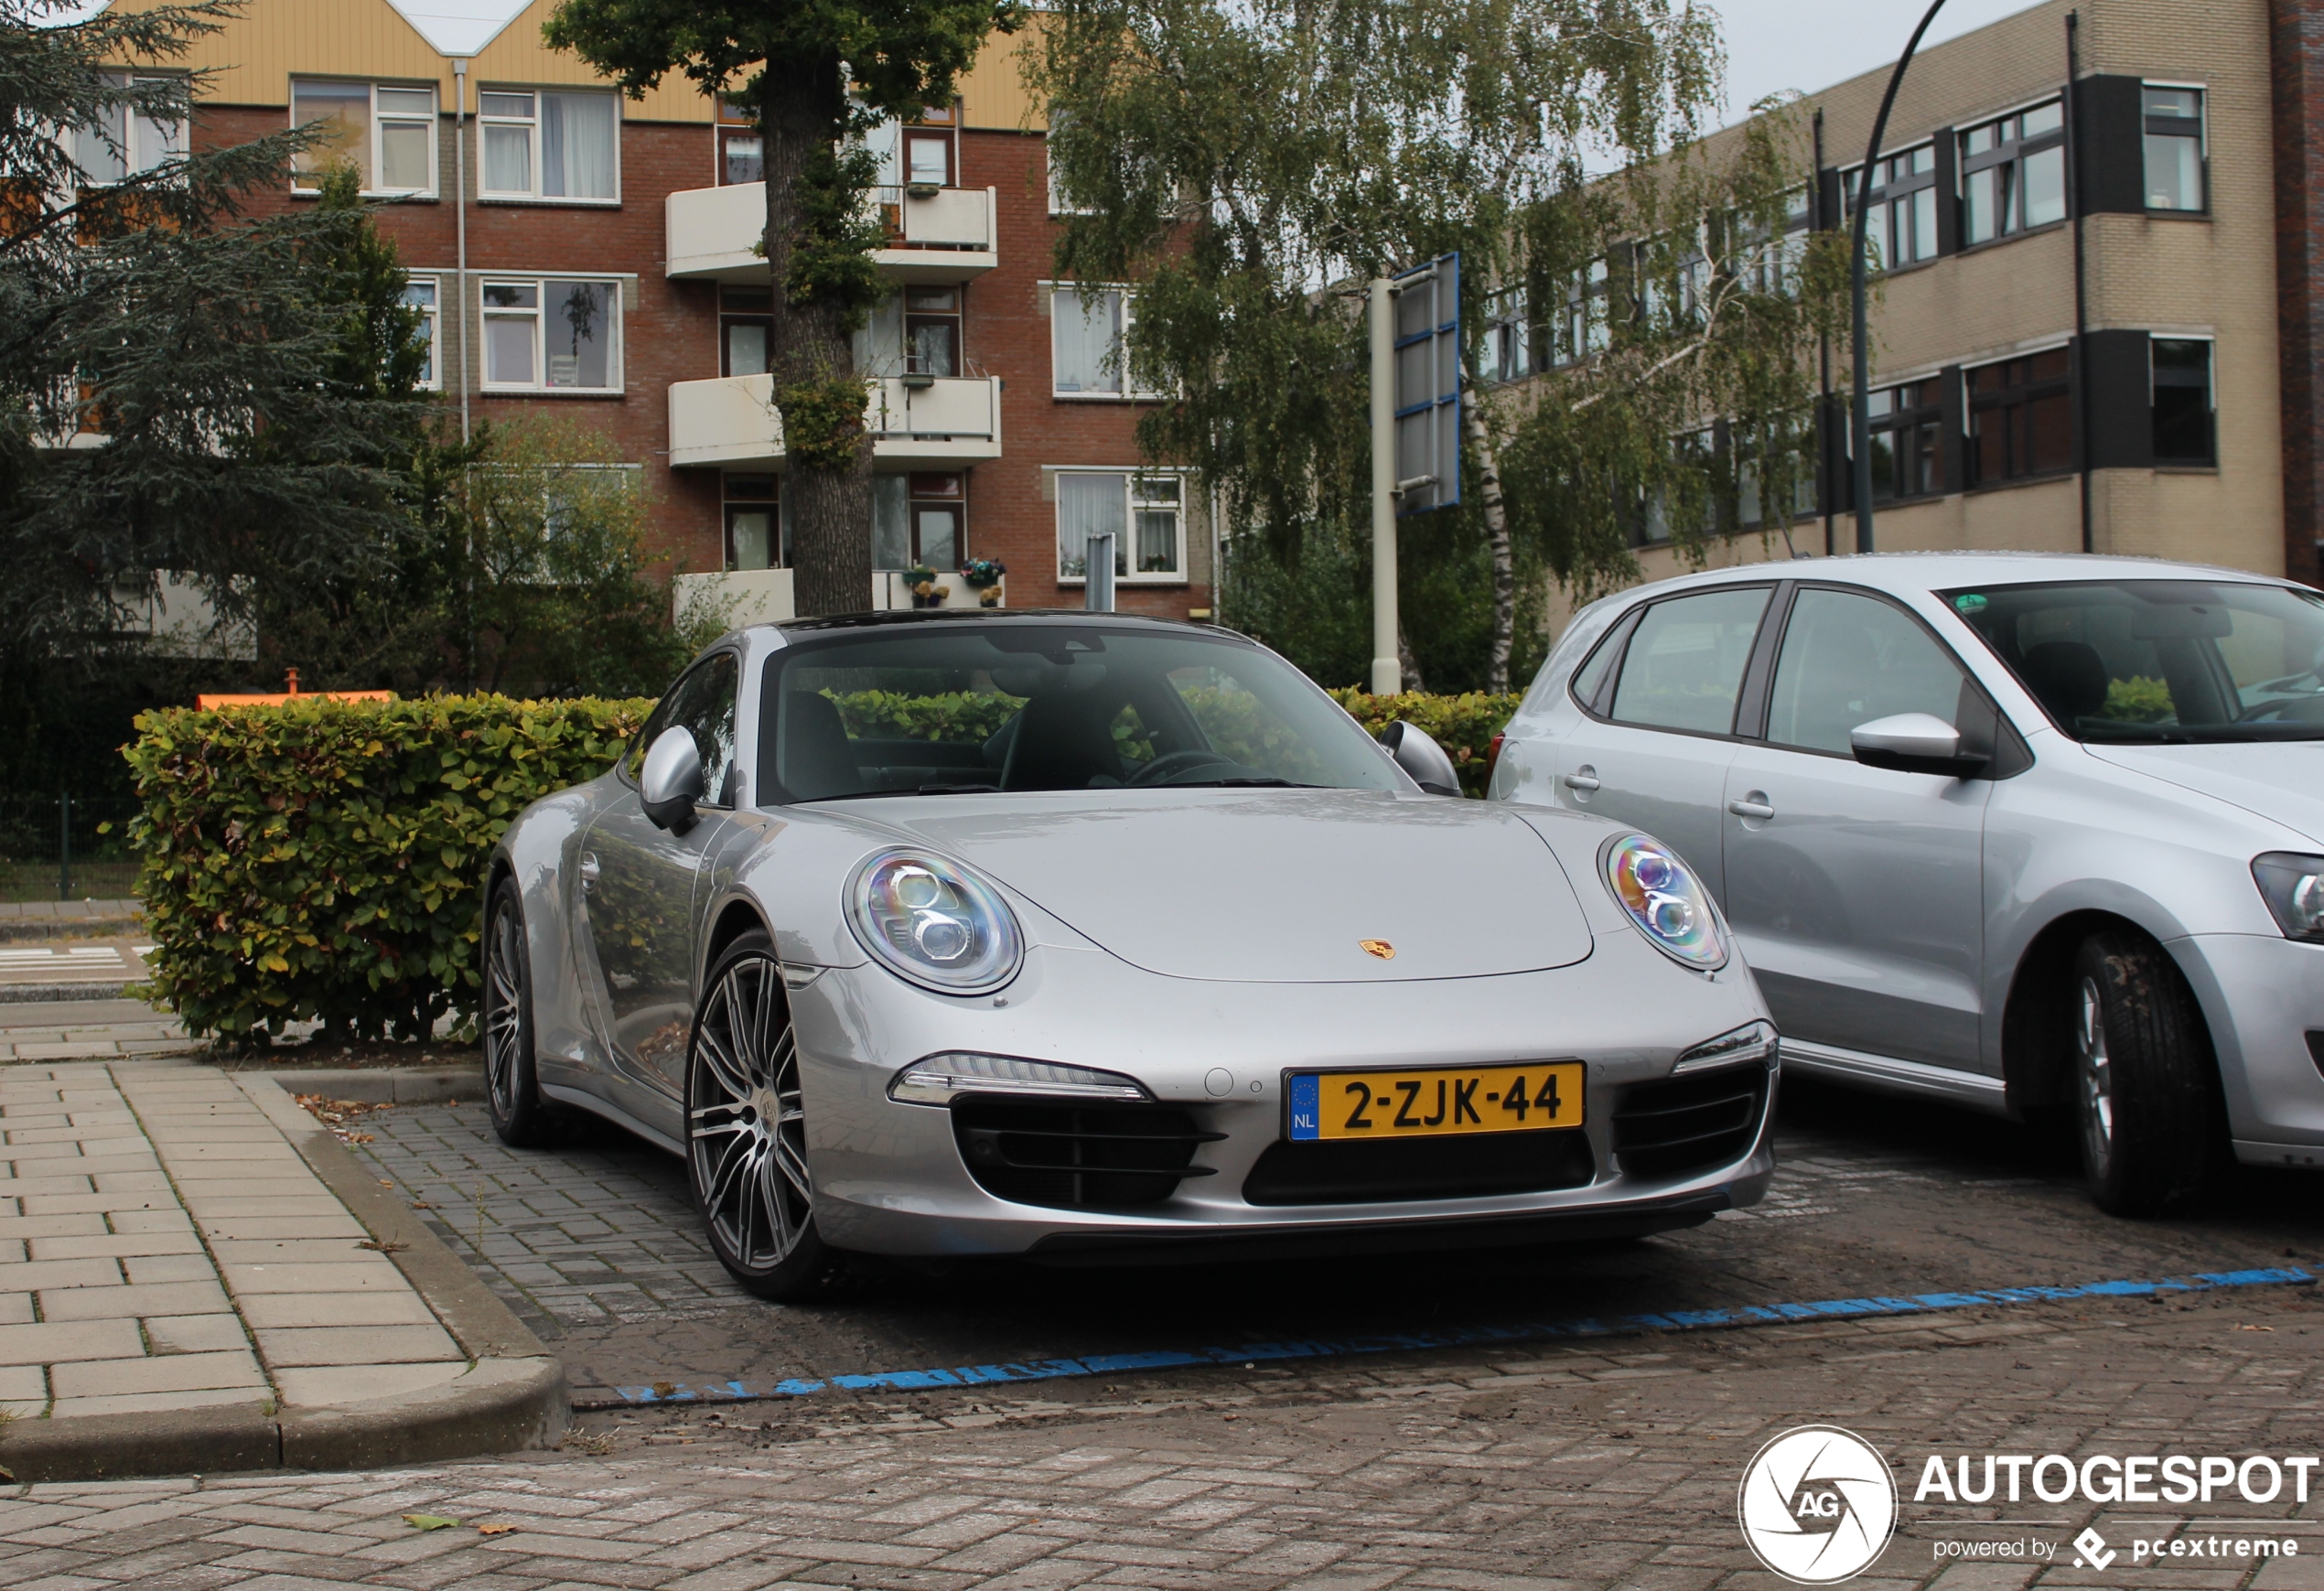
[
  {"x": 400, "y": 1085},
  {"x": 512, "y": 1395}
]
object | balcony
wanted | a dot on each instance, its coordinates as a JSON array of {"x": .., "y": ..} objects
[
  {"x": 917, "y": 422},
  {"x": 935, "y": 234}
]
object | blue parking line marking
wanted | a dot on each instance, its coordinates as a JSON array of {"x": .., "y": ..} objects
[{"x": 742, "y": 1391}]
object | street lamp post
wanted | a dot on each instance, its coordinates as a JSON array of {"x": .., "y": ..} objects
[{"x": 1860, "y": 415}]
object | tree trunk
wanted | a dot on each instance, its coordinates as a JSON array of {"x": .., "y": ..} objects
[
  {"x": 1405, "y": 666},
  {"x": 1480, "y": 438},
  {"x": 801, "y": 110}
]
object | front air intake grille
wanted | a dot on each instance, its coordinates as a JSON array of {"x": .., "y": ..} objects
[
  {"x": 1689, "y": 1124},
  {"x": 1355, "y": 1172},
  {"x": 1077, "y": 1156}
]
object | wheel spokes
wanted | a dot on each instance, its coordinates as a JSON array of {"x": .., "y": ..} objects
[{"x": 746, "y": 1118}]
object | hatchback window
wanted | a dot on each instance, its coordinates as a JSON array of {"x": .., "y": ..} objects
[
  {"x": 1849, "y": 660},
  {"x": 1684, "y": 665},
  {"x": 2161, "y": 660}
]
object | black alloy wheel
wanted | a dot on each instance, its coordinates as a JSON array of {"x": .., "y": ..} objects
[
  {"x": 2145, "y": 1094},
  {"x": 746, "y": 1129},
  {"x": 511, "y": 1085}
]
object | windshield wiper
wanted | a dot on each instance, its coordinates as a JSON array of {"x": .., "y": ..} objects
[
  {"x": 864, "y": 795},
  {"x": 1240, "y": 782}
]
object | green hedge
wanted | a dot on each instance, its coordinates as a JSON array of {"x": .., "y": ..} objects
[
  {"x": 1464, "y": 725},
  {"x": 323, "y": 859}
]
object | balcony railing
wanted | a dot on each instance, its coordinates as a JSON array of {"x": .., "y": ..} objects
[
  {"x": 917, "y": 422},
  {"x": 935, "y": 234}
]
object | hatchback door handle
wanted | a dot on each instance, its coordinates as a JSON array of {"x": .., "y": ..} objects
[
  {"x": 1580, "y": 781},
  {"x": 588, "y": 868},
  {"x": 1743, "y": 809}
]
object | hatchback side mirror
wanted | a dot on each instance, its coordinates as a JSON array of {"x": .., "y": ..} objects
[
  {"x": 670, "y": 781},
  {"x": 1914, "y": 743},
  {"x": 1413, "y": 750}
]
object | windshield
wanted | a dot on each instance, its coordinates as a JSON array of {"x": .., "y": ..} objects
[
  {"x": 2160, "y": 662},
  {"x": 952, "y": 709}
]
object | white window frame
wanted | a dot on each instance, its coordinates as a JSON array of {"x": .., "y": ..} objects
[
  {"x": 307, "y": 183},
  {"x": 432, "y": 312},
  {"x": 534, "y": 165},
  {"x": 615, "y": 374},
  {"x": 1131, "y": 503},
  {"x": 1129, "y": 393},
  {"x": 1057, "y": 200},
  {"x": 131, "y": 130}
]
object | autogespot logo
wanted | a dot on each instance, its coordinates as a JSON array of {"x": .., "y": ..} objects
[{"x": 1817, "y": 1504}]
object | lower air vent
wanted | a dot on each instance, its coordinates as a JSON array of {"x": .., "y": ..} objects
[
  {"x": 1077, "y": 1156},
  {"x": 1344, "y": 1172},
  {"x": 1689, "y": 1124}
]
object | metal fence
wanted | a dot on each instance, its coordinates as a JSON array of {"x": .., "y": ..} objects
[{"x": 67, "y": 847}]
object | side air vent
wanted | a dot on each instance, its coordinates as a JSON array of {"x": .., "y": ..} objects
[
  {"x": 1689, "y": 1124},
  {"x": 1345, "y": 1172},
  {"x": 1077, "y": 1156}
]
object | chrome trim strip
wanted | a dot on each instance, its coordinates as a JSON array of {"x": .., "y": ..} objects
[{"x": 1972, "y": 1088}]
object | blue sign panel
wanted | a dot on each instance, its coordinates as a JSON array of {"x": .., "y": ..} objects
[
  {"x": 1307, "y": 1114},
  {"x": 1428, "y": 386}
]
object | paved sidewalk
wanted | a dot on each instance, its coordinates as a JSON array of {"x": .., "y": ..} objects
[
  {"x": 52, "y": 1030},
  {"x": 165, "y": 1246},
  {"x": 65, "y": 913}
]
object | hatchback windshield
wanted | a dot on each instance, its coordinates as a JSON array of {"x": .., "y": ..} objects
[
  {"x": 2161, "y": 660},
  {"x": 948, "y": 709}
]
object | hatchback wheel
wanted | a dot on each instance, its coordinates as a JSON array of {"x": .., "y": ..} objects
[
  {"x": 746, "y": 1129},
  {"x": 512, "y": 1084},
  {"x": 2143, "y": 1090}
]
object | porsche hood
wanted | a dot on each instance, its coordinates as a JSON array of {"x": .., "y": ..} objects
[{"x": 1290, "y": 887}]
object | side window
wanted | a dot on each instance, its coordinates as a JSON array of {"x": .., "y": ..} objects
[
  {"x": 702, "y": 702},
  {"x": 1590, "y": 679},
  {"x": 1684, "y": 666},
  {"x": 1848, "y": 660}
]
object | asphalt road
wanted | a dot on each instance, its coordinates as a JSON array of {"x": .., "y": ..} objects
[{"x": 595, "y": 1244}]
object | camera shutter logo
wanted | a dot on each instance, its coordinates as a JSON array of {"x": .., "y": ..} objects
[{"x": 1817, "y": 1505}]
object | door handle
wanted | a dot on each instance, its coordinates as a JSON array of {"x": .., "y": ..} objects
[
  {"x": 1756, "y": 807},
  {"x": 588, "y": 868},
  {"x": 1581, "y": 782}
]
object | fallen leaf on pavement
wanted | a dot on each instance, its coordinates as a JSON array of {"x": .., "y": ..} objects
[
  {"x": 427, "y": 1522},
  {"x": 494, "y": 1529},
  {"x": 382, "y": 1246}
]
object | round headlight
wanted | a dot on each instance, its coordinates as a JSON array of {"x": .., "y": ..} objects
[
  {"x": 934, "y": 922},
  {"x": 1665, "y": 900}
]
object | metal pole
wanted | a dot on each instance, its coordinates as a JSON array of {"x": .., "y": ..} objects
[
  {"x": 459, "y": 306},
  {"x": 1860, "y": 425},
  {"x": 1387, "y": 674},
  {"x": 64, "y": 845},
  {"x": 1097, "y": 573}
]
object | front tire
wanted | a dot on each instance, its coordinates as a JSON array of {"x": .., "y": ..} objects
[
  {"x": 511, "y": 1081},
  {"x": 2143, "y": 1094},
  {"x": 747, "y": 1130}
]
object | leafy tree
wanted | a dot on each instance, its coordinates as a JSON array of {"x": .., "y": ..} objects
[
  {"x": 816, "y": 74},
  {"x": 175, "y": 391},
  {"x": 1249, "y": 166}
]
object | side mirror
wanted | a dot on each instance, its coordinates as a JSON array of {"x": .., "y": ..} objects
[
  {"x": 670, "y": 781},
  {"x": 1411, "y": 750},
  {"x": 1913, "y": 743}
]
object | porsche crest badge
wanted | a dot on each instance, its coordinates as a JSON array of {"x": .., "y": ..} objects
[{"x": 1378, "y": 947}]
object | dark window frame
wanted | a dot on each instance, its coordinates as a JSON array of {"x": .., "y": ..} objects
[
  {"x": 1924, "y": 417},
  {"x": 1892, "y": 188},
  {"x": 2152, "y": 125},
  {"x": 2158, "y": 380},
  {"x": 2012, "y": 147},
  {"x": 2016, "y": 399},
  {"x": 1626, "y": 626}
]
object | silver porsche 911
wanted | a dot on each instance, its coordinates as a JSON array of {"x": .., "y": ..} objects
[{"x": 1087, "y": 937}]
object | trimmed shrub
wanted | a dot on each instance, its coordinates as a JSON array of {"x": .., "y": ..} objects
[
  {"x": 325, "y": 859},
  {"x": 1464, "y": 725}
]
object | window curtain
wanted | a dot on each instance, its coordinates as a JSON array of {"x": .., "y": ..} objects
[
  {"x": 892, "y": 523},
  {"x": 578, "y": 333},
  {"x": 1086, "y": 330},
  {"x": 577, "y": 146},
  {"x": 1090, "y": 505}
]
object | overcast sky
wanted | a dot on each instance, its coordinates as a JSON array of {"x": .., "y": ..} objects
[{"x": 1772, "y": 45}]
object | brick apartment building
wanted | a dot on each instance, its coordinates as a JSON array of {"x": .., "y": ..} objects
[
  {"x": 587, "y": 256},
  {"x": 2102, "y": 325}
]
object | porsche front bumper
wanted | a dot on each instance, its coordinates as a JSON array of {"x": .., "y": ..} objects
[{"x": 894, "y": 1178}]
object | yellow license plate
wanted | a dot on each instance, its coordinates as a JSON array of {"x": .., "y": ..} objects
[{"x": 1418, "y": 1104}]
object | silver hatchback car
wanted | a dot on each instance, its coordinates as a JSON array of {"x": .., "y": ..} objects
[{"x": 2022, "y": 832}]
